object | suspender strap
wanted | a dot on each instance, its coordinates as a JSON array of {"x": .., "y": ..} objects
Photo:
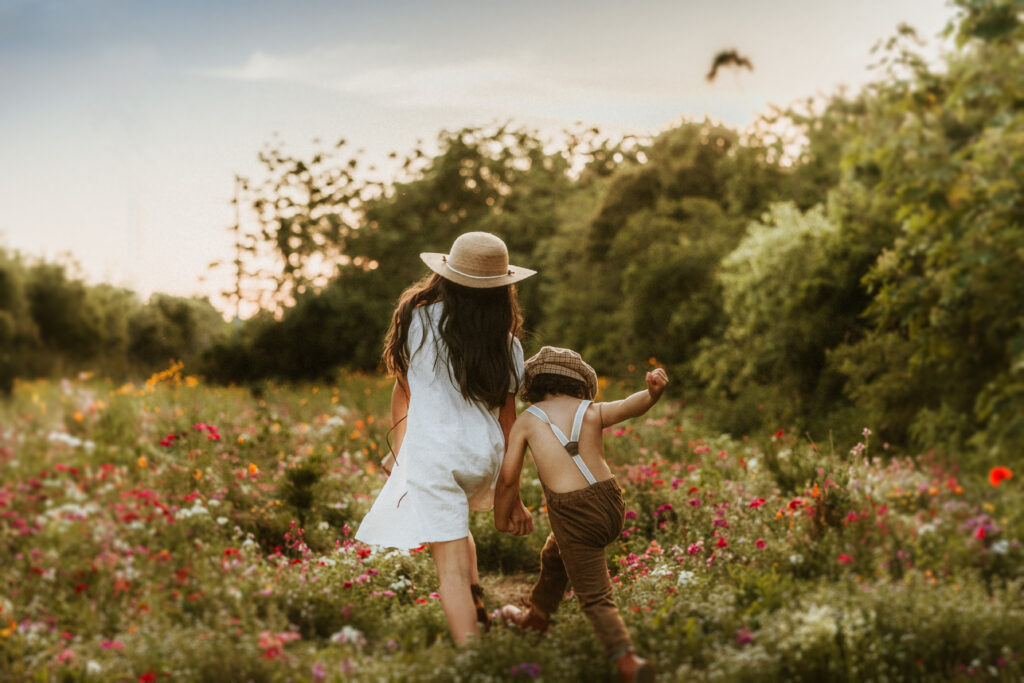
[
  {"x": 577, "y": 420},
  {"x": 559, "y": 434},
  {"x": 571, "y": 446}
]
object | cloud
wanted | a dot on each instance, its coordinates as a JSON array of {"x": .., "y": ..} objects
[{"x": 385, "y": 75}]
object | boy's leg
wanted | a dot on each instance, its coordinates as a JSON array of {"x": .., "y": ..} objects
[
  {"x": 547, "y": 593},
  {"x": 588, "y": 573},
  {"x": 452, "y": 559},
  {"x": 584, "y": 524}
]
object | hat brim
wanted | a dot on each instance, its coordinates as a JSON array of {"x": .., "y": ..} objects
[{"x": 438, "y": 264}]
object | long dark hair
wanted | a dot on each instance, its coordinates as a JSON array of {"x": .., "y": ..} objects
[{"x": 474, "y": 327}]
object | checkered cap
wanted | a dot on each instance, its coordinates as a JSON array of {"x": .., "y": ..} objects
[{"x": 551, "y": 360}]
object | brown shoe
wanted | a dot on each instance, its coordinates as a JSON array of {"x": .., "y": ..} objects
[
  {"x": 634, "y": 669},
  {"x": 478, "y": 603},
  {"x": 531, "y": 618}
]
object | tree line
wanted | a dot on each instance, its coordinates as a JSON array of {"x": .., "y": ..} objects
[{"x": 853, "y": 260}]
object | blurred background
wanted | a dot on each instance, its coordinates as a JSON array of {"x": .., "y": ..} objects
[{"x": 810, "y": 213}]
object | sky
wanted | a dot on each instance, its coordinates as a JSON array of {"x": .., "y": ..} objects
[{"x": 124, "y": 122}]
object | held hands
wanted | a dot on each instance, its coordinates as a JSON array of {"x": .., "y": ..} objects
[
  {"x": 657, "y": 380},
  {"x": 520, "y": 521}
]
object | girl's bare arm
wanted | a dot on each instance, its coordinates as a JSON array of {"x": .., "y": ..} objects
[
  {"x": 399, "y": 411},
  {"x": 507, "y": 416}
]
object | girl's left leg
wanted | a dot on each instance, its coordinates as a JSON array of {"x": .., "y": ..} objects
[
  {"x": 455, "y": 562},
  {"x": 474, "y": 587}
]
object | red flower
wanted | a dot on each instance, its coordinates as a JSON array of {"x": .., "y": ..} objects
[
  {"x": 757, "y": 502},
  {"x": 722, "y": 543},
  {"x": 760, "y": 543},
  {"x": 979, "y": 533},
  {"x": 147, "y": 677},
  {"x": 795, "y": 503},
  {"x": 844, "y": 559},
  {"x": 997, "y": 475}
]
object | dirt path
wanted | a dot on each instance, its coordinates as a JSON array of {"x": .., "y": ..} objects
[{"x": 506, "y": 589}]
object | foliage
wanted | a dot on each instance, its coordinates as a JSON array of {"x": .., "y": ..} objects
[
  {"x": 944, "y": 151},
  {"x": 51, "y": 320}
]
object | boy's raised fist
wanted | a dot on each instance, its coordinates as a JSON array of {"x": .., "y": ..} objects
[{"x": 657, "y": 380}]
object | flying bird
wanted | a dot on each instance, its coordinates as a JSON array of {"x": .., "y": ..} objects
[{"x": 728, "y": 58}]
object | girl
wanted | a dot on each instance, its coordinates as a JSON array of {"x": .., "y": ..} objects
[{"x": 453, "y": 348}]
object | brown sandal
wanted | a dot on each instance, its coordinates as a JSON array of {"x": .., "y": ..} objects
[{"x": 478, "y": 603}]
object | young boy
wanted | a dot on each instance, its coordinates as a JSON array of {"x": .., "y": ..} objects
[{"x": 584, "y": 501}]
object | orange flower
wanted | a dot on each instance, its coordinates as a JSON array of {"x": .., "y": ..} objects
[
  {"x": 253, "y": 469},
  {"x": 998, "y": 474}
]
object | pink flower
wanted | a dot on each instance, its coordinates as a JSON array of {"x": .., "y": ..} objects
[
  {"x": 844, "y": 559},
  {"x": 112, "y": 645},
  {"x": 760, "y": 543},
  {"x": 695, "y": 549},
  {"x": 630, "y": 514}
]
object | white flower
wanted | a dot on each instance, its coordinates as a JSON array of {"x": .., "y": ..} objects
[
  {"x": 1001, "y": 547},
  {"x": 196, "y": 509},
  {"x": 93, "y": 667},
  {"x": 222, "y": 520},
  {"x": 348, "y": 634},
  {"x": 796, "y": 559},
  {"x": 323, "y": 526},
  {"x": 686, "y": 578}
]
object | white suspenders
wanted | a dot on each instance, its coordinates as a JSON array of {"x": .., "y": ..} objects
[{"x": 570, "y": 444}]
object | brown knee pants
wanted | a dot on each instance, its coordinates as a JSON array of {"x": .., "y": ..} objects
[{"x": 582, "y": 523}]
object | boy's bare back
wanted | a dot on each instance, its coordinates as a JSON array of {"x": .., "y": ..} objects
[{"x": 556, "y": 468}]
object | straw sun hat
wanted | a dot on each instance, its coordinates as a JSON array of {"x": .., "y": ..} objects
[{"x": 476, "y": 259}]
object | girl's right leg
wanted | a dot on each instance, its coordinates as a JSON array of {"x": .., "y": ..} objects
[{"x": 456, "y": 569}]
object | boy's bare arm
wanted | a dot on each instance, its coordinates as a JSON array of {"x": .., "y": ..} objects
[
  {"x": 510, "y": 515},
  {"x": 637, "y": 404}
]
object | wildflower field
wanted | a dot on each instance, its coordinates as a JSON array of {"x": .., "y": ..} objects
[{"x": 176, "y": 531}]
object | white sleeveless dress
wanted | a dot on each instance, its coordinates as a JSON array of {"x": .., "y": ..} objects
[{"x": 451, "y": 454}]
